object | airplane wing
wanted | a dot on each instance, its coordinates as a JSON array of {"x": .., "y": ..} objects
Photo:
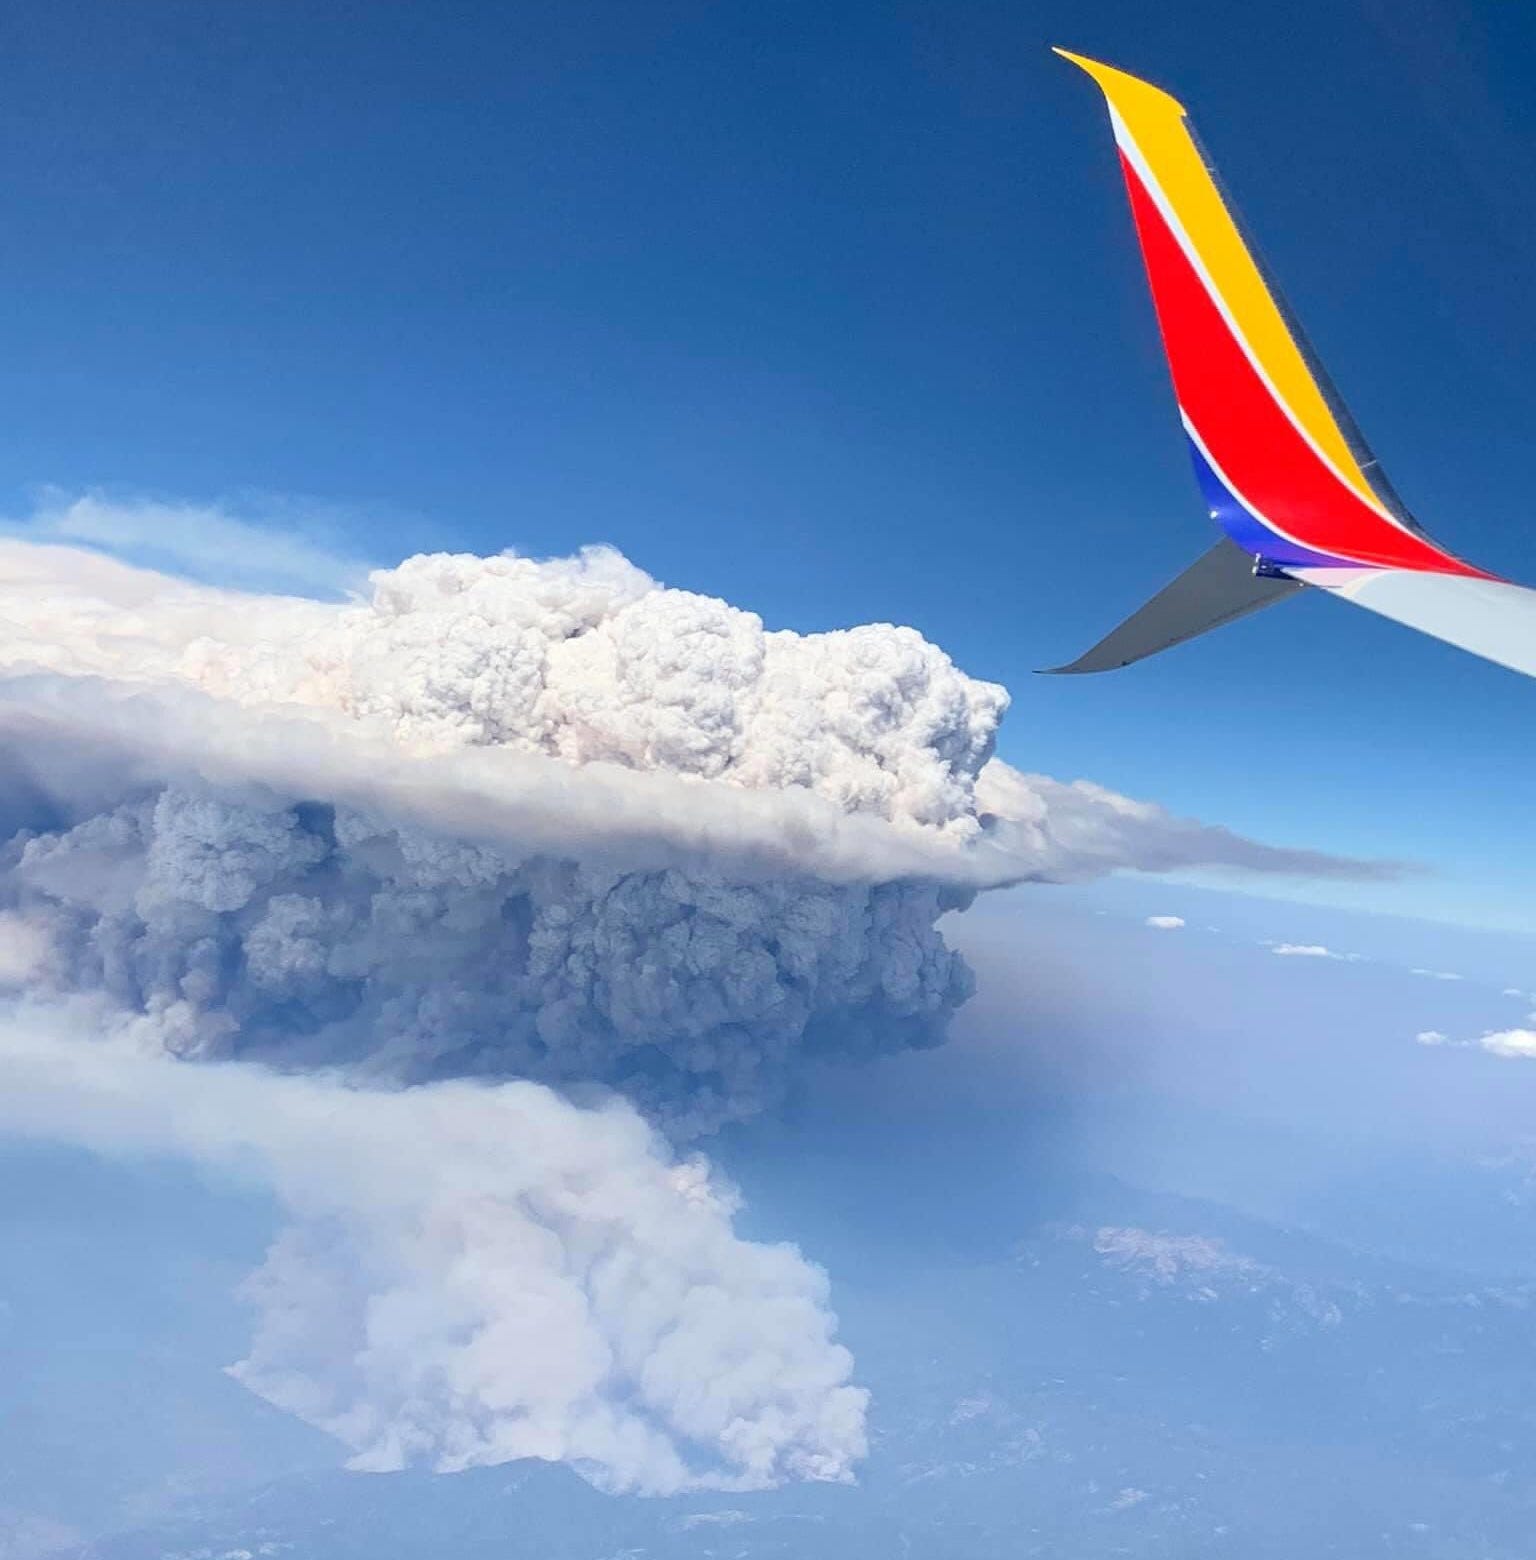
[
  {"x": 1280, "y": 463},
  {"x": 1491, "y": 618}
]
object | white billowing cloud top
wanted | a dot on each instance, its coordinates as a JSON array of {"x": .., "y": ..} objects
[
  {"x": 589, "y": 661},
  {"x": 583, "y": 659}
]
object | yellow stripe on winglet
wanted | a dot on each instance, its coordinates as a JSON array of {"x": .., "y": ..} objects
[
  {"x": 1122, "y": 90},
  {"x": 1156, "y": 123}
]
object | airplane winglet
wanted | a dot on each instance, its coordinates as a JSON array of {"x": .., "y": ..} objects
[
  {"x": 1122, "y": 89},
  {"x": 1218, "y": 587},
  {"x": 1280, "y": 464}
]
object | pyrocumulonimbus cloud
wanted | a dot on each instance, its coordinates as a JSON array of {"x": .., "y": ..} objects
[{"x": 507, "y": 820}]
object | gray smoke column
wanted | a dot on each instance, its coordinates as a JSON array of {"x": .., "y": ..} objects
[{"x": 473, "y": 1274}]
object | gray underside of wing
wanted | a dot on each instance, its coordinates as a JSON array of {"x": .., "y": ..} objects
[{"x": 1218, "y": 587}]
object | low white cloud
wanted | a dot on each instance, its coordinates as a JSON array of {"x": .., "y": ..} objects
[
  {"x": 1205, "y": 1270},
  {"x": 1167, "y": 1259},
  {"x": 1165, "y": 923},
  {"x": 1510, "y": 1043},
  {"x": 1436, "y": 974},
  {"x": 730, "y": 1517},
  {"x": 1289, "y": 950},
  {"x": 476, "y": 1273}
]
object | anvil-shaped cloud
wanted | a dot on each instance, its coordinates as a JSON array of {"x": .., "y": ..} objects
[{"x": 505, "y": 820}]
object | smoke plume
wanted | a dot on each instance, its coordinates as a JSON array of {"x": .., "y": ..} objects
[
  {"x": 475, "y": 1274},
  {"x": 504, "y": 828}
]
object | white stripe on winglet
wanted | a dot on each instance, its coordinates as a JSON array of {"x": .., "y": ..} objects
[
  {"x": 1133, "y": 155},
  {"x": 1252, "y": 508}
]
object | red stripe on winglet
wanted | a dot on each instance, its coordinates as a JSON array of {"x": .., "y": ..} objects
[{"x": 1257, "y": 446}]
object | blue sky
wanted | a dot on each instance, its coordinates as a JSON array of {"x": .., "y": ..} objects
[{"x": 831, "y": 310}]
